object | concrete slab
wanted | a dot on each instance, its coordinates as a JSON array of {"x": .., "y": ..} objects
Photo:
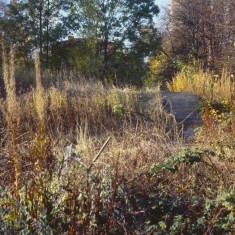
[{"x": 184, "y": 105}]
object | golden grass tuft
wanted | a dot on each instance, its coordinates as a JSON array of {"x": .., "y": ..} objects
[
  {"x": 12, "y": 116},
  {"x": 205, "y": 84},
  {"x": 41, "y": 99},
  {"x": 10, "y": 84}
]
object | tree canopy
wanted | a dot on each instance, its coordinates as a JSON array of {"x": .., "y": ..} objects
[{"x": 128, "y": 27}]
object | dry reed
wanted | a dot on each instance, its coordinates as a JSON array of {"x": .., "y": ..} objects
[
  {"x": 13, "y": 115},
  {"x": 40, "y": 94},
  {"x": 205, "y": 84}
]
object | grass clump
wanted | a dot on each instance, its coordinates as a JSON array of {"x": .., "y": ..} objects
[
  {"x": 205, "y": 84},
  {"x": 12, "y": 119},
  {"x": 40, "y": 95}
]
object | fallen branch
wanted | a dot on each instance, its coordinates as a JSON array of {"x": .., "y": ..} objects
[{"x": 98, "y": 154}]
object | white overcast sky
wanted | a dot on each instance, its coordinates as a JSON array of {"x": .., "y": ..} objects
[{"x": 162, "y": 3}]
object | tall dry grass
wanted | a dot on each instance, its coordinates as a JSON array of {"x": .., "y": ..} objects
[
  {"x": 10, "y": 85},
  {"x": 215, "y": 91},
  {"x": 43, "y": 114},
  {"x": 40, "y": 94},
  {"x": 99, "y": 159},
  {"x": 12, "y": 117},
  {"x": 205, "y": 84}
]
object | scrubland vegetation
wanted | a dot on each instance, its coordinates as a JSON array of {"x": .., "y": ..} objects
[
  {"x": 80, "y": 157},
  {"x": 209, "y": 86},
  {"x": 86, "y": 146}
]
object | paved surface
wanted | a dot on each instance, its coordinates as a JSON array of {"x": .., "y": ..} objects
[{"x": 184, "y": 105}]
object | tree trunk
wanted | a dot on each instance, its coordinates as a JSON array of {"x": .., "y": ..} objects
[
  {"x": 40, "y": 27},
  {"x": 47, "y": 36}
]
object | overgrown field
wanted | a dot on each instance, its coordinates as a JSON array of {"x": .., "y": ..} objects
[{"x": 80, "y": 157}]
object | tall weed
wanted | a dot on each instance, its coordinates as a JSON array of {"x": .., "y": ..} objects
[{"x": 207, "y": 85}]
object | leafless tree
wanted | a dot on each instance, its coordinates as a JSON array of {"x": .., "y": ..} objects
[{"x": 205, "y": 30}]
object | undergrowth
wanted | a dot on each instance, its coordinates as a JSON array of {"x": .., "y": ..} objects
[{"x": 79, "y": 157}]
